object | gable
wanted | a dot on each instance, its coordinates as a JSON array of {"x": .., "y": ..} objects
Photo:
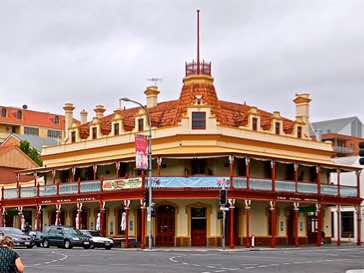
[{"x": 13, "y": 157}]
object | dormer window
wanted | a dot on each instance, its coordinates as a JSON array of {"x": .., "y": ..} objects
[
  {"x": 116, "y": 129},
  {"x": 73, "y": 137},
  {"x": 19, "y": 114},
  {"x": 3, "y": 112},
  {"x": 56, "y": 120},
  {"x": 278, "y": 128},
  {"x": 199, "y": 120},
  {"x": 299, "y": 132},
  {"x": 94, "y": 132},
  {"x": 140, "y": 125},
  {"x": 255, "y": 124}
]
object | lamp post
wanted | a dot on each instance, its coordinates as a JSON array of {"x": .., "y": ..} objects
[{"x": 149, "y": 209}]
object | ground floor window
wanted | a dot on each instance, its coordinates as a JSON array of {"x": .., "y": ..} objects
[{"x": 347, "y": 224}]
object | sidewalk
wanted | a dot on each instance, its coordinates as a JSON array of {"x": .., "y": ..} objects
[{"x": 240, "y": 249}]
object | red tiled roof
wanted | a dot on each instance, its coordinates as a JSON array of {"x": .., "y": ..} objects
[
  {"x": 170, "y": 113},
  {"x": 31, "y": 118}
]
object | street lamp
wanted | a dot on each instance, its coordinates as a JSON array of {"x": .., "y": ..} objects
[{"x": 149, "y": 209}]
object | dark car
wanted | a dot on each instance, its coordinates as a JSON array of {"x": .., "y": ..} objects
[
  {"x": 97, "y": 240},
  {"x": 38, "y": 237},
  {"x": 66, "y": 237},
  {"x": 19, "y": 237}
]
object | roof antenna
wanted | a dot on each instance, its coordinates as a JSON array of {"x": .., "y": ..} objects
[
  {"x": 198, "y": 41},
  {"x": 155, "y": 81}
]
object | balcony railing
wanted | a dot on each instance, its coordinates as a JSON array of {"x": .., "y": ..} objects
[
  {"x": 343, "y": 150},
  {"x": 174, "y": 182}
]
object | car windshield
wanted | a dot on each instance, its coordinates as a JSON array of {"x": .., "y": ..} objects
[
  {"x": 14, "y": 231},
  {"x": 70, "y": 231},
  {"x": 94, "y": 233},
  {"x": 85, "y": 232}
]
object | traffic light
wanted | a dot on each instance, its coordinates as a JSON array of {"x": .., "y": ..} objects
[
  {"x": 146, "y": 198},
  {"x": 223, "y": 197},
  {"x": 361, "y": 153}
]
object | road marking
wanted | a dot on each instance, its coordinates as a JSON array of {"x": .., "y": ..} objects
[
  {"x": 211, "y": 266},
  {"x": 222, "y": 270},
  {"x": 195, "y": 265}
]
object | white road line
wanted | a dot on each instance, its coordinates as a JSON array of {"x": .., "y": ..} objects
[
  {"x": 211, "y": 266},
  {"x": 249, "y": 267},
  {"x": 195, "y": 265},
  {"x": 221, "y": 270}
]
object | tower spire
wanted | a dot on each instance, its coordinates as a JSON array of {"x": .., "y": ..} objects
[{"x": 198, "y": 41}]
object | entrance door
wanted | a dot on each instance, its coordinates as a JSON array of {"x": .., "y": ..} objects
[
  {"x": 290, "y": 227},
  {"x": 312, "y": 228},
  {"x": 165, "y": 228},
  {"x": 198, "y": 227}
]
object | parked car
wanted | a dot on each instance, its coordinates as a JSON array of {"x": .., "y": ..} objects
[
  {"x": 67, "y": 237},
  {"x": 19, "y": 237},
  {"x": 97, "y": 240},
  {"x": 38, "y": 237}
]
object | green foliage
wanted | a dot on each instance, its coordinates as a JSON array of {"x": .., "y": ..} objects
[{"x": 31, "y": 152}]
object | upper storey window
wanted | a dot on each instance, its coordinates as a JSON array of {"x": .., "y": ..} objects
[
  {"x": 3, "y": 112},
  {"x": 198, "y": 120},
  {"x": 277, "y": 128},
  {"x": 56, "y": 120},
  {"x": 19, "y": 114},
  {"x": 94, "y": 132},
  {"x": 140, "y": 125},
  {"x": 116, "y": 129},
  {"x": 299, "y": 132},
  {"x": 255, "y": 124},
  {"x": 31, "y": 131}
]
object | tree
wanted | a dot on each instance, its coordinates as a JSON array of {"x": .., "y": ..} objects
[{"x": 31, "y": 152}]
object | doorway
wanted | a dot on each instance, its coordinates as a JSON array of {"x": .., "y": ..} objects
[
  {"x": 165, "y": 229},
  {"x": 290, "y": 228},
  {"x": 198, "y": 227}
]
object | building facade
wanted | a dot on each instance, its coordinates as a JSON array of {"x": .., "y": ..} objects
[
  {"x": 22, "y": 121},
  {"x": 278, "y": 178}
]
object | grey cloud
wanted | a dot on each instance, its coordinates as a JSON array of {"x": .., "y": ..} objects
[{"x": 92, "y": 52}]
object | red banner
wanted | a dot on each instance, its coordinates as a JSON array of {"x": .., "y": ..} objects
[{"x": 141, "y": 152}]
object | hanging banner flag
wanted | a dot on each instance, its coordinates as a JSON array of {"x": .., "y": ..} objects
[{"x": 141, "y": 152}]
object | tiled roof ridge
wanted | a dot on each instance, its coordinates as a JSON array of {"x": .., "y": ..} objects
[{"x": 31, "y": 110}]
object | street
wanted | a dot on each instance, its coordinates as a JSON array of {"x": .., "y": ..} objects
[{"x": 308, "y": 260}]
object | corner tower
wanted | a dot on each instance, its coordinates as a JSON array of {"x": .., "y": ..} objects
[{"x": 198, "y": 83}]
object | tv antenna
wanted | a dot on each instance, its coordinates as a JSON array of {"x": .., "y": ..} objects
[{"x": 155, "y": 81}]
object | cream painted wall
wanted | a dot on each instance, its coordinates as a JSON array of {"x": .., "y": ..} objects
[{"x": 259, "y": 221}]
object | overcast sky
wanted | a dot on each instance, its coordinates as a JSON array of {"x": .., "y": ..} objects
[{"x": 262, "y": 52}]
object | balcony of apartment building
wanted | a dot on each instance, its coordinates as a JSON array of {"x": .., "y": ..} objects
[
  {"x": 263, "y": 177},
  {"x": 342, "y": 145}
]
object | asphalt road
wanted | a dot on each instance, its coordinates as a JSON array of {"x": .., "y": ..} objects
[{"x": 307, "y": 260}]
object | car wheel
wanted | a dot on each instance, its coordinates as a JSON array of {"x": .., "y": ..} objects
[
  {"x": 67, "y": 244},
  {"x": 45, "y": 243},
  {"x": 107, "y": 247},
  {"x": 87, "y": 247},
  {"x": 31, "y": 246},
  {"x": 92, "y": 246}
]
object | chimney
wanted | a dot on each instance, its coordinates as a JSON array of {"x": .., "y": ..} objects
[
  {"x": 99, "y": 110},
  {"x": 152, "y": 96},
  {"x": 68, "y": 113},
  {"x": 83, "y": 115},
  {"x": 302, "y": 101}
]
